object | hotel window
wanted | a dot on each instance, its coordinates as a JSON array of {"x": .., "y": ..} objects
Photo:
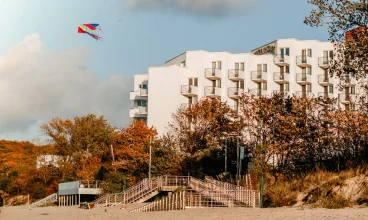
[
  {"x": 264, "y": 86},
  {"x": 219, "y": 65},
  {"x": 287, "y": 69},
  {"x": 241, "y": 84},
  {"x": 309, "y": 52},
  {"x": 142, "y": 103},
  {"x": 309, "y": 70},
  {"x": 309, "y": 88},
  {"x": 287, "y": 87},
  {"x": 193, "y": 81},
  {"x": 330, "y": 89},
  {"x": 242, "y": 66},
  {"x": 265, "y": 68},
  {"x": 287, "y": 51},
  {"x": 331, "y": 54},
  {"x": 218, "y": 83},
  {"x": 352, "y": 91}
]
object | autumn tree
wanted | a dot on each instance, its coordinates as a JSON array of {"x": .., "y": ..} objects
[
  {"x": 81, "y": 142},
  {"x": 200, "y": 131},
  {"x": 347, "y": 23},
  {"x": 131, "y": 150}
]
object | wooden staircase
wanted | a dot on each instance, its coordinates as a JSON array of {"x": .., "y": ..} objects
[
  {"x": 45, "y": 201},
  {"x": 211, "y": 193}
]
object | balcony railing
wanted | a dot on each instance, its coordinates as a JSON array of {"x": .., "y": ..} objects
[
  {"x": 346, "y": 98},
  {"x": 258, "y": 92},
  {"x": 301, "y": 94},
  {"x": 138, "y": 112},
  {"x": 143, "y": 92},
  {"x": 348, "y": 81},
  {"x": 235, "y": 92},
  {"x": 324, "y": 62},
  {"x": 281, "y": 77},
  {"x": 142, "y": 110},
  {"x": 324, "y": 80},
  {"x": 281, "y": 60},
  {"x": 325, "y": 96},
  {"x": 236, "y": 75},
  {"x": 283, "y": 93},
  {"x": 189, "y": 90},
  {"x": 304, "y": 61},
  {"x": 212, "y": 91},
  {"x": 303, "y": 78},
  {"x": 212, "y": 73},
  {"x": 259, "y": 76}
]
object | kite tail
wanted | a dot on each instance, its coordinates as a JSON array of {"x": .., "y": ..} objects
[{"x": 95, "y": 36}]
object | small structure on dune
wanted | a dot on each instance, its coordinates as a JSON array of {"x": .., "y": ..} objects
[{"x": 77, "y": 192}]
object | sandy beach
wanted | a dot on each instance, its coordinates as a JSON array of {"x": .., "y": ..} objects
[{"x": 111, "y": 213}]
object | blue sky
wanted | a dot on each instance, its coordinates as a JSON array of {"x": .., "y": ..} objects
[{"x": 147, "y": 34}]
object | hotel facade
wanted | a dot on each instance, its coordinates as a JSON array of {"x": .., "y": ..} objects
[{"x": 289, "y": 66}]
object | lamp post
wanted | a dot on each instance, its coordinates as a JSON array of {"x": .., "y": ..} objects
[{"x": 150, "y": 159}]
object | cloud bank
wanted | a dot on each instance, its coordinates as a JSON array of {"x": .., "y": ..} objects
[
  {"x": 37, "y": 85},
  {"x": 196, "y": 7}
]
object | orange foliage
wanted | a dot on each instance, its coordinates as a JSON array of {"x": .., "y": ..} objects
[{"x": 131, "y": 149}]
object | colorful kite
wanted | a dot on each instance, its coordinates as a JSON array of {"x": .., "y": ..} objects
[{"x": 88, "y": 29}]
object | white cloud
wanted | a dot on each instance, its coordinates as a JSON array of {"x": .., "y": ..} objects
[
  {"x": 37, "y": 85},
  {"x": 197, "y": 7}
]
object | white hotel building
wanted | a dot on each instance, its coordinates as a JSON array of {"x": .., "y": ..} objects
[{"x": 288, "y": 65}]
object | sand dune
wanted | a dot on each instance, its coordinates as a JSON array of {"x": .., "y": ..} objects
[{"x": 112, "y": 213}]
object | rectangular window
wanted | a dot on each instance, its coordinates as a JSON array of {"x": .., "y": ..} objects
[
  {"x": 309, "y": 88},
  {"x": 236, "y": 66},
  {"x": 287, "y": 51},
  {"x": 213, "y": 65},
  {"x": 242, "y": 66},
  {"x": 218, "y": 83},
  {"x": 264, "y": 86},
  {"x": 309, "y": 52},
  {"x": 287, "y": 87},
  {"x": 287, "y": 69},
  {"x": 309, "y": 70},
  {"x": 331, "y": 54},
  {"x": 242, "y": 84},
  {"x": 352, "y": 90},
  {"x": 142, "y": 103},
  {"x": 265, "y": 68},
  {"x": 282, "y": 52},
  {"x": 195, "y": 81},
  {"x": 330, "y": 89},
  {"x": 219, "y": 65}
]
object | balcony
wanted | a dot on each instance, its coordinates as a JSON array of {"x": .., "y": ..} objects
[
  {"x": 281, "y": 60},
  {"x": 236, "y": 75},
  {"x": 324, "y": 80},
  {"x": 348, "y": 81},
  {"x": 325, "y": 96},
  {"x": 307, "y": 95},
  {"x": 281, "y": 78},
  {"x": 346, "y": 98},
  {"x": 283, "y": 93},
  {"x": 324, "y": 62},
  {"x": 234, "y": 92},
  {"x": 138, "y": 112},
  {"x": 212, "y": 92},
  {"x": 142, "y": 94},
  {"x": 189, "y": 91},
  {"x": 212, "y": 74},
  {"x": 303, "y": 78},
  {"x": 304, "y": 61},
  {"x": 259, "y": 76},
  {"x": 258, "y": 92}
]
